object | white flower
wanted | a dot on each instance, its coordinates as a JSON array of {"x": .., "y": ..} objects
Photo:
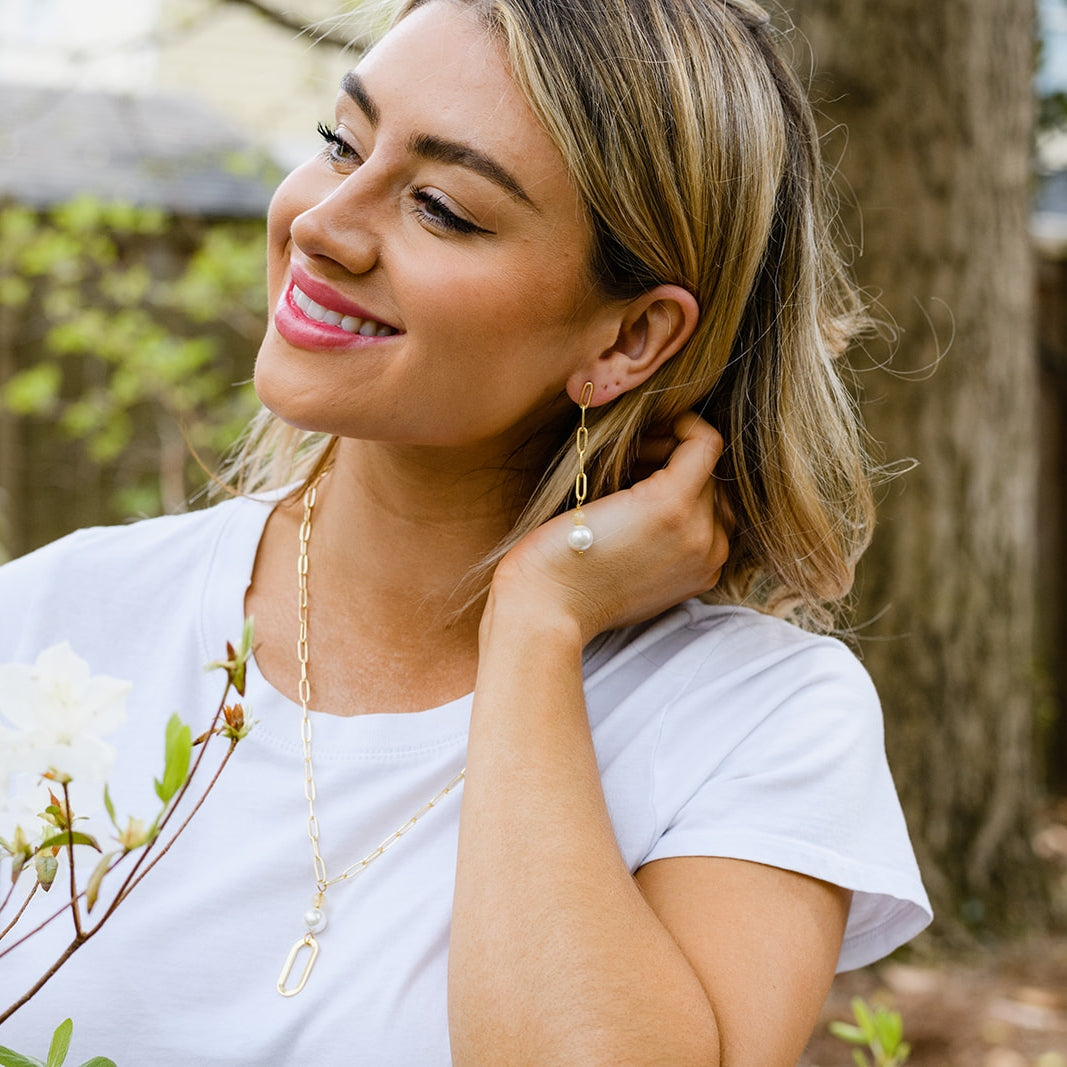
[
  {"x": 60, "y": 714},
  {"x": 21, "y": 804}
]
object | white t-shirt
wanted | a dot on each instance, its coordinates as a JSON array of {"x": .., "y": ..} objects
[{"x": 718, "y": 731}]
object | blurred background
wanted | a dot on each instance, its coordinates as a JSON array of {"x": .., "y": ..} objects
[{"x": 140, "y": 141}]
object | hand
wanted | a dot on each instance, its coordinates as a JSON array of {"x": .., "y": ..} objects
[{"x": 664, "y": 539}]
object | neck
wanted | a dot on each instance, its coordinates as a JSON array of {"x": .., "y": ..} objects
[
  {"x": 403, "y": 527},
  {"x": 396, "y": 532}
]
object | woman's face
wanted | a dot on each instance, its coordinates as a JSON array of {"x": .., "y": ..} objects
[{"x": 428, "y": 268}]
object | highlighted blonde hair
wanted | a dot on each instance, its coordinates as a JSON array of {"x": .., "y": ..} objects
[{"x": 694, "y": 149}]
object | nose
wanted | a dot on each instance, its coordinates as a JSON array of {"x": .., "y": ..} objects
[{"x": 340, "y": 223}]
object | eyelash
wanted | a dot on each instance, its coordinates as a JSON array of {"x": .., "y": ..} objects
[
  {"x": 337, "y": 148},
  {"x": 430, "y": 207}
]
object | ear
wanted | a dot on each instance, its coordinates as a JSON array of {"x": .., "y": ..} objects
[{"x": 651, "y": 328}]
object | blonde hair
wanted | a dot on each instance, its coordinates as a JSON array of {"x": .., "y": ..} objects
[{"x": 693, "y": 146}]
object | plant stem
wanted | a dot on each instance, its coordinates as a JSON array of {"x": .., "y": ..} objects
[
  {"x": 18, "y": 914},
  {"x": 173, "y": 804},
  {"x": 140, "y": 868},
  {"x": 131, "y": 882},
  {"x": 51, "y": 918},
  {"x": 133, "y": 879},
  {"x": 35, "y": 988},
  {"x": 75, "y": 911}
]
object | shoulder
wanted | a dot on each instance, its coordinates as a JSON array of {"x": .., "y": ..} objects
[
  {"x": 99, "y": 553},
  {"x": 117, "y": 572},
  {"x": 769, "y": 747},
  {"x": 717, "y": 660}
]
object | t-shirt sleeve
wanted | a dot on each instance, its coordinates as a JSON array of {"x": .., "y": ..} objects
[{"x": 802, "y": 784}]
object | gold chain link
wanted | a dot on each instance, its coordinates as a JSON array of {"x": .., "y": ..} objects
[
  {"x": 581, "y": 485},
  {"x": 322, "y": 882}
]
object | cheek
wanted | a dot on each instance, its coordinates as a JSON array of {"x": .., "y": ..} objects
[
  {"x": 293, "y": 197},
  {"x": 522, "y": 296}
]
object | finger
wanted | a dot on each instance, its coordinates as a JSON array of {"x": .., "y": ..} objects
[{"x": 699, "y": 449}]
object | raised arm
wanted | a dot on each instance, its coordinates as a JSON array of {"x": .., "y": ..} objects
[{"x": 559, "y": 955}]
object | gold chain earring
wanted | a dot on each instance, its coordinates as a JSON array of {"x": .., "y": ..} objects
[{"x": 581, "y": 537}]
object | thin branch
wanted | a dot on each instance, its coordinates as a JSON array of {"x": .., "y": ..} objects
[
  {"x": 131, "y": 882},
  {"x": 32, "y": 991},
  {"x": 285, "y": 21},
  {"x": 175, "y": 800},
  {"x": 75, "y": 911},
  {"x": 51, "y": 918},
  {"x": 18, "y": 914},
  {"x": 140, "y": 869}
]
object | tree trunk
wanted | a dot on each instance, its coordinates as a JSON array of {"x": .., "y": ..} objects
[{"x": 937, "y": 103}]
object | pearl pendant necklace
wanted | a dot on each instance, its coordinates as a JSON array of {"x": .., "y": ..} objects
[{"x": 315, "y": 916}]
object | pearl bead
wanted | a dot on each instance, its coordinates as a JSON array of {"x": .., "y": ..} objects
[
  {"x": 315, "y": 920},
  {"x": 580, "y": 538}
]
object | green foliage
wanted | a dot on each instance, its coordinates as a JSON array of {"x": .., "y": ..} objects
[
  {"x": 133, "y": 320},
  {"x": 880, "y": 1031},
  {"x": 57, "y": 1052},
  {"x": 177, "y": 753},
  {"x": 1052, "y": 111}
]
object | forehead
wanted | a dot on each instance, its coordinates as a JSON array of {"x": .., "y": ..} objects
[{"x": 440, "y": 72}]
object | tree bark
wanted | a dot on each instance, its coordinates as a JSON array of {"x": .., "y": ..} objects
[{"x": 937, "y": 103}]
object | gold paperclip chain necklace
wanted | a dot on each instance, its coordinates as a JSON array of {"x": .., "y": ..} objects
[{"x": 315, "y": 917}]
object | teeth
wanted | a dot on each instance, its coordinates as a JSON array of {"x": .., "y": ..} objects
[{"x": 348, "y": 323}]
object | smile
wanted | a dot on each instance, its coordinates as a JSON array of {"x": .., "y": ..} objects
[{"x": 349, "y": 323}]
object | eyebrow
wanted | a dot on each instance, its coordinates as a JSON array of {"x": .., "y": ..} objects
[{"x": 439, "y": 149}]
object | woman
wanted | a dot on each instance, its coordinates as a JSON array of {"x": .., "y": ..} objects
[{"x": 538, "y": 238}]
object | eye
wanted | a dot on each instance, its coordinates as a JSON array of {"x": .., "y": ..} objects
[
  {"x": 436, "y": 212},
  {"x": 337, "y": 149}
]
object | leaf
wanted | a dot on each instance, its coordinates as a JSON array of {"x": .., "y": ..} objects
[
  {"x": 10, "y": 1058},
  {"x": 110, "y": 807},
  {"x": 57, "y": 1051},
  {"x": 99, "y": 1061},
  {"x": 92, "y": 889},
  {"x": 863, "y": 1016},
  {"x": 177, "y": 753},
  {"x": 69, "y": 837},
  {"x": 890, "y": 1029},
  {"x": 847, "y": 1032},
  {"x": 34, "y": 391}
]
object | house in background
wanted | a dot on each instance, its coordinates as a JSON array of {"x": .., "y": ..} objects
[
  {"x": 271, "y": 83},
  {"x": 150, "y": 149},
  {"x": 164, "y": 152}
]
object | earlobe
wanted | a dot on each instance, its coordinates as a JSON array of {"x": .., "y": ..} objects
[{"x": 651, "y": 329}]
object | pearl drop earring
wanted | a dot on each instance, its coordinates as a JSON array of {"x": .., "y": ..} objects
[{"x": 581, "y": 537}]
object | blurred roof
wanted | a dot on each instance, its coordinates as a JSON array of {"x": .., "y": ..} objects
[{"x": 163, "y": 151}]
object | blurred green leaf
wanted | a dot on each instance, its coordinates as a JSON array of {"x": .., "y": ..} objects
[
  {"x": 33, "y": 391},
  {"x": 133, "y": 336},
  {"x": 10, "y": 1058},
  {"x": 69, "y": 837},
  {"x": 57, "y": 1051},
  {"x": 14, "y": 291},
  {"x": 92, "y": 887}
]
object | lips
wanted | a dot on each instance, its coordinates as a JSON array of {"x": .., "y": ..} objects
[
  {"x": 312, "y": 315},
  {"x": 366, "y": 327}
]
